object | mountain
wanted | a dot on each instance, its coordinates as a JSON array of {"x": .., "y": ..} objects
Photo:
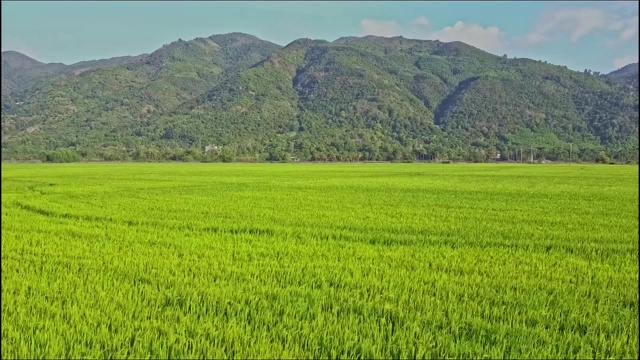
[
  {"x": 22, "y": 74},
  {"x": 627, "y": 74},
  {"x": 236, "y": 96},
  {"x": 18, "y": 61},
  {"x": 625, "y": 71}
]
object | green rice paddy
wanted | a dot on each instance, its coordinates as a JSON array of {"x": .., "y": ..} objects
[{"x": 319, "y": 261}]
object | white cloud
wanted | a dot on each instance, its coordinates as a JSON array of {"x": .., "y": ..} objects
[
  {"x": 612, "y": 23},
  {"x": 573, "y": 23},
  {"x": 489, "y": 38},
  {"x": 580, "y": 22},
  {"x": 386, "y": 28},
  {"x": 532, "y": 38},
  {"x": 576, "y": 22},
  {"x": 627, "y": 28},
  {"x": 420, "y": 21},
  {"x": 625, "y": 60}
]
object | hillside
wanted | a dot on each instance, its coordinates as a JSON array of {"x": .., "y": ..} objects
[
  {"x": 368, "y": 98},
  {"x": 627, "y": 74},
  {"x": 625, "y": 71},
  {"x": 21, "y": 74}
]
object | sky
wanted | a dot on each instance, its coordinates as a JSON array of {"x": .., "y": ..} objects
[{"x": 600, "y": 36}]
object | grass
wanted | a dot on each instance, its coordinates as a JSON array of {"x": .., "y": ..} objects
[{"x": 315, "y": 260}]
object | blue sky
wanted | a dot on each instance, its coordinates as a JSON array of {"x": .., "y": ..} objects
[{"x": 600, "y": 36}]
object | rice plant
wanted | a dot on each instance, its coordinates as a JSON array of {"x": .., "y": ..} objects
[{"x": 319, "y": 261}]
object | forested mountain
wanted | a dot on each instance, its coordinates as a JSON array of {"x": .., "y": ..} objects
[
  {"x": 20, "y": 73},
  {"x": 627, "y": 74},
  {"x": 630, "y": 70},
  {"x": 235, "y": 96}
]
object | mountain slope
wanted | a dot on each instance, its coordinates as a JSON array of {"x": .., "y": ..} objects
[
  {"x": 625, "y": 71},
  {"x": 356, "y": 98},
  {"x": 105, "y": 105},
  {"x": 23, "y": 72},
  {"x": 627, "y": 74}
]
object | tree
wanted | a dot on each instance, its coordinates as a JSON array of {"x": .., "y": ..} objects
[
  {"x": 227, "y": 155},
  {"x": 61, "y": 156},
  {"x": 602, "y": 158}
]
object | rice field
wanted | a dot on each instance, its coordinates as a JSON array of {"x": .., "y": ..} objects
[{"x": 319, "y": 261}]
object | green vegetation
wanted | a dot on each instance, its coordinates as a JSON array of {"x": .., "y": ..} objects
[
  {"x": 314, "y": 260},
  {"x": 22, "y": 75},
  {"x": 370, "y": 98},
  {"x": 627, "y": 74},
  {"x": 60, "y": 156}
]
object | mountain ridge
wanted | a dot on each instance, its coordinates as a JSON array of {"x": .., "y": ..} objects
[
  {"x": 630, "y": 69},
  {"x": 354, "y": 98}
]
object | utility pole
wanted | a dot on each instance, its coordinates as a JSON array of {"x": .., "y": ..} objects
[
  {"x": 520, "y": 154},
  {"x": 570, "y": 151}
]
